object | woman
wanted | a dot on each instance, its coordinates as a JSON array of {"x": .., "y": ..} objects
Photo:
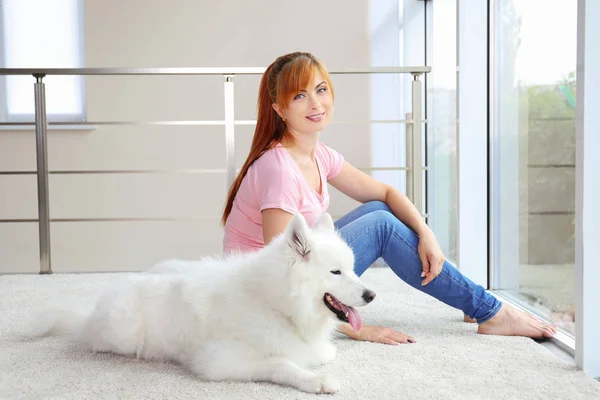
[{"x": 287, "y": 171}]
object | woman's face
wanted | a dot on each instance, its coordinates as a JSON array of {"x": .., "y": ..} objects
[{"x": 310, "y": 110}]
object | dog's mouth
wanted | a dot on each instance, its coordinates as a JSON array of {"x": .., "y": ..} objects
[{"x": 343, "y": 312}]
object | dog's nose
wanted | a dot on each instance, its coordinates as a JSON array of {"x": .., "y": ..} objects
[{"x": 368, "y": 296}]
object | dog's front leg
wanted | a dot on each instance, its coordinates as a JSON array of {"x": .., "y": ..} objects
[
  {"x": 328, "y": 353},
  {"x": 235, "y": 361}
]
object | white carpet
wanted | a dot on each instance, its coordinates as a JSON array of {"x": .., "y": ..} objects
[{"x": 449, "y": 360}]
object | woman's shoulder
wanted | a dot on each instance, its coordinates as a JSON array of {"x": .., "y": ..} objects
[
  {"x": 272, "y": 161},
  {"x": 273, "y": 180}
]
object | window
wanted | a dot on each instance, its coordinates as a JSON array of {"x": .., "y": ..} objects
[
  {"x": 41, "y": 34},
  {"x": 534, "y": 156}
]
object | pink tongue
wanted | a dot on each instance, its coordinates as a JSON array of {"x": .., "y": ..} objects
[{"x": 353, "y": 317}]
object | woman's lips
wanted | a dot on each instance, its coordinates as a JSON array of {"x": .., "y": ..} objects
[{"x": 316, "y": 117}]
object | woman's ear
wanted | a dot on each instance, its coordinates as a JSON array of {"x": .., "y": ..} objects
[{"x": 278, "y": 110}]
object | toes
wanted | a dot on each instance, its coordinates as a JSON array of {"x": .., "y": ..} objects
[
  {"x": 547, "y": 330},
  {"x": 551, "y": 331}
]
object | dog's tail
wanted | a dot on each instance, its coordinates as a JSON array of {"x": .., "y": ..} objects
[{"x": 64, "y": 320}]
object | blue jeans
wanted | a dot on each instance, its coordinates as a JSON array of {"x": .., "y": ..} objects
[{"x": 372, "y": 231}]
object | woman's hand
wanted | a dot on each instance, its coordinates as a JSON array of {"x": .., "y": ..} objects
[
  {"x": 380, "y": 334},
  {"x": 432, "y": 257}
]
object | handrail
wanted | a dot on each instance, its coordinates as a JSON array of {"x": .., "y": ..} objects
[
  {"x": 413, "y": 123},
  {"x": 197, "y": 71}
]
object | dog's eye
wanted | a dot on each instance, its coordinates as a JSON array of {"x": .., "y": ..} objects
[{"x": 336, "y": 272}]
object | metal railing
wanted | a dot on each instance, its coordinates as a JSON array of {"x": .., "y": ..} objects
[{"x": 413, "y": 121}]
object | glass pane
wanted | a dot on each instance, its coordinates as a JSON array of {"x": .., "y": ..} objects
[
  {"x": 441, "y": 114},
  {"x": 533, "y": 159}
]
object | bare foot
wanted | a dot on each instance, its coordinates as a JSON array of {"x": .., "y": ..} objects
[
  {"x": 468, "y": 319},
  {"x": 512, "y": 322}
]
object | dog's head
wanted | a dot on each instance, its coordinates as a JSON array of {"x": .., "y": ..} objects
[{"x": 323, "y": 264}]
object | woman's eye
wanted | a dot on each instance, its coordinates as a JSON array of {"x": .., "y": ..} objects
[
  {"x": 336, "y": 272},
  {"x": 298, "y": 96},
  {"x": 321, "y": 90}
]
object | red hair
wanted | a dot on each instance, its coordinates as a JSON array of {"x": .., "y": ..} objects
[{"x": 282, "y": 80}]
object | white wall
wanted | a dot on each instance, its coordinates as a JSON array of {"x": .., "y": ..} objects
[{"x": 183, "y": 33}]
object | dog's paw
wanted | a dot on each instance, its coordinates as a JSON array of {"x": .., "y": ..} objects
[
  {"x": 329, "y": 384},
  {"x": 320, "y": 384}
]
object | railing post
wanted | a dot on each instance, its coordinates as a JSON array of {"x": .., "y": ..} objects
[
  {"x": 417, "y": 145},
  {"x": 42, "y": 175},
  {"x": 229, "y": 130},
  {"x": 409, "y": 157}
]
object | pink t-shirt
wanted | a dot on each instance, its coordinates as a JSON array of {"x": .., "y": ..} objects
[{"x": 275, "y": 181}]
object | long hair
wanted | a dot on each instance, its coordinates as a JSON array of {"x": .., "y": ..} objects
[{"x": 282, "y": 80}]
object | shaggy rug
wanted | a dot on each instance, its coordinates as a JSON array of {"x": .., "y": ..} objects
[{"x": 449, "y": 360}]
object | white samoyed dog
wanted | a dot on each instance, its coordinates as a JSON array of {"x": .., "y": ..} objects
[{"x": 263, "y": 316}]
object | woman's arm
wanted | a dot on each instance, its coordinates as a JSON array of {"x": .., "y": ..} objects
[
  {"x": 363, "y": 188},
  {"x": 274, "y": 222}
]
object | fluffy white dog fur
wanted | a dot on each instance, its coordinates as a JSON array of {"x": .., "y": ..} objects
[{"x": 258, "y": 316}]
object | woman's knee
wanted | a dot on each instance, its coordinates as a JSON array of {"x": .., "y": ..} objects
[
  {"x": 384, "y": 218},
  {"x": 390, "y": 222},
  {"x": 383, "y": 221},
  {"x": 378, "y": 205},
  {"x": 392, "y": 232}
]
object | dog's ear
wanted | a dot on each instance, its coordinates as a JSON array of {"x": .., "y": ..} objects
[
  {"x": 297, "y": 236},
  {"x": 325, "y": 222}
]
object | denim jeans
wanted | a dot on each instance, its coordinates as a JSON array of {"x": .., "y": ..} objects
[{"x": 372, "y": 231}]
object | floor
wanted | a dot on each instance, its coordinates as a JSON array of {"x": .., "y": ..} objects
[{"x": 449, "y": 360}]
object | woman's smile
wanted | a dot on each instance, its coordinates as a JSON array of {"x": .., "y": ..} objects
[{"x": 316, "y": 117}]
